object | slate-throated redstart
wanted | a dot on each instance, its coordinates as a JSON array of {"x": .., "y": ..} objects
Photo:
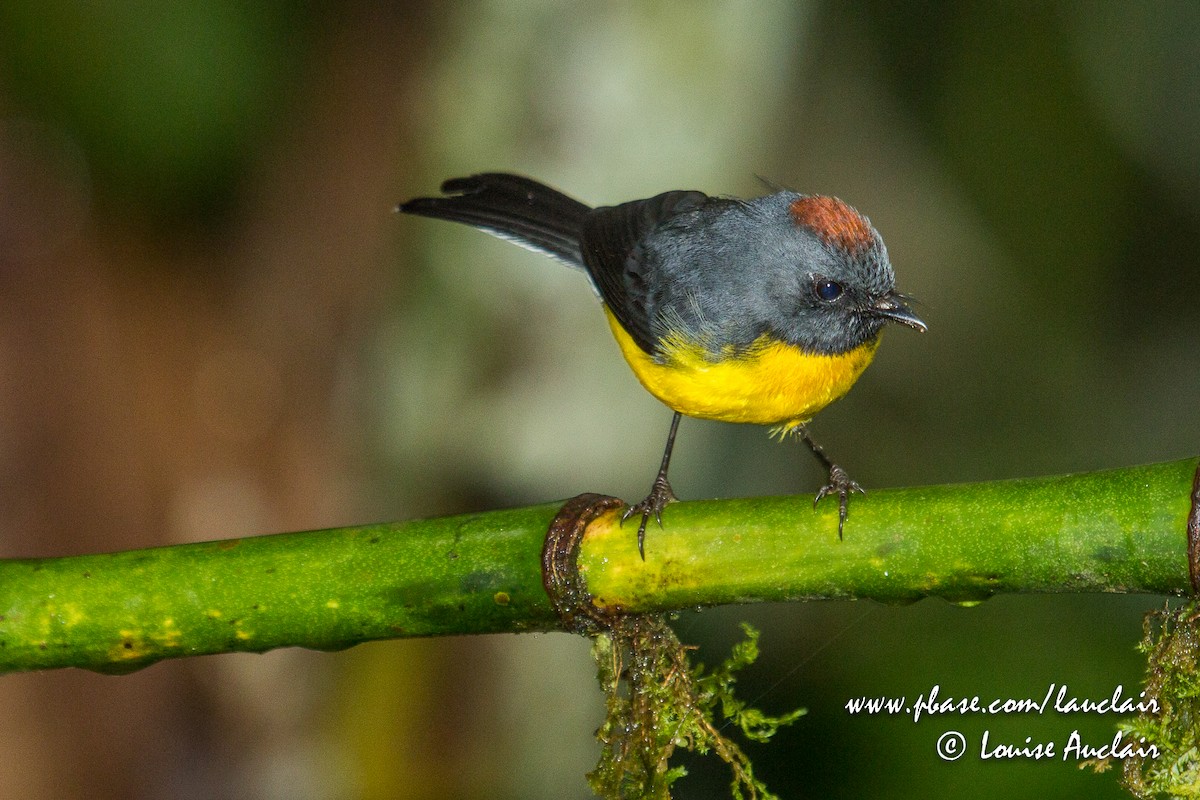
[{"x": 763, "y": 310}]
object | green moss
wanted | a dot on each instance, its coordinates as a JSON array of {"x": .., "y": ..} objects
[
  {"x": 1172, "y": 731},
  {"x": 657, "y": 700}
]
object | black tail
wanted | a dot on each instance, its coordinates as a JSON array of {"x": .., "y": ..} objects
[{"x": 518, "y": 209}]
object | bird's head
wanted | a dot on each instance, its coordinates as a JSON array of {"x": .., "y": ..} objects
[{"x": 842, "y": 288}]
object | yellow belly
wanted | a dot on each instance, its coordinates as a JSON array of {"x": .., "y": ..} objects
[{"x": 770, "y": 384}]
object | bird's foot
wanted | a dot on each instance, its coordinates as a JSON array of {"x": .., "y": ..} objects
[
  {"x": 660, "y": 495},
  {"x": 842, "y": 485}
]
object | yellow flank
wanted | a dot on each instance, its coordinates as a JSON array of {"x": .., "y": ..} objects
[{"x": 771, "y": 383}]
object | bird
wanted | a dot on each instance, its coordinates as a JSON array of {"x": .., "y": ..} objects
[{"x": 759, "y": 311}]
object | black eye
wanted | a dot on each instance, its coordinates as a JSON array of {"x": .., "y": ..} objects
[{"x": 828, "y": 290}]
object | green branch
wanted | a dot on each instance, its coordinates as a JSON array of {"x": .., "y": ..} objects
[
  {"x": 1122, "y": 530},
  {"x": 1116, "y": 531},
  {"x": 325, "y": 590}
]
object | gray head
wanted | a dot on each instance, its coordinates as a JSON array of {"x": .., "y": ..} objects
[
  {"x": 842, "y": 287},
  {"x": 805, "y": 269}
]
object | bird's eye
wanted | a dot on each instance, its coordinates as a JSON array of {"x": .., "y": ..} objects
[{"x": 828, "y": 290}]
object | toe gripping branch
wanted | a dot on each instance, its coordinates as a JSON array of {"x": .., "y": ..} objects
[{"x": 560, "y": 568}]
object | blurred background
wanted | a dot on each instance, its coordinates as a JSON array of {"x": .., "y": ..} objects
[{"x": 212, "y": 325}]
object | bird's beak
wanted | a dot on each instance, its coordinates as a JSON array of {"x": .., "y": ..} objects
[{"x": 892, "y": 307}]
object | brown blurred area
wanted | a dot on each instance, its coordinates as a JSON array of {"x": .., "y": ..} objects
[{"x": 161, "y": 383}]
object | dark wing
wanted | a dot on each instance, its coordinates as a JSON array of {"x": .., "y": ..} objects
[
  {"x": 623, "y": 272},
  {"x": 518, "y": 209}
]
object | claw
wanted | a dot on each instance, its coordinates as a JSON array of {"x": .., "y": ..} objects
[
  {"x": 660, "y": 492},
  {"x": 660, "y": 495},
  {"x": 842, "y": 485}
]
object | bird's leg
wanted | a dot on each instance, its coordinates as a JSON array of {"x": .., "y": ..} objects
[
  {"x": 660, "y": 493},
  {"x": 839, "y": 483}
]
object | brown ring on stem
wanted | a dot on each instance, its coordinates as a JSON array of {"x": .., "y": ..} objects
[
  {"x": 560, "y": 568},
  {"x": 1193, "y": 534}
]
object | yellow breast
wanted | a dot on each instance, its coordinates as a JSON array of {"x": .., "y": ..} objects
[{"x": 771, "y": 383}]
